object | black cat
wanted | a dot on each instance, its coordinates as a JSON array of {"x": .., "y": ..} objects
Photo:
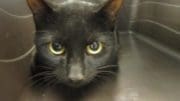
[{"x": 76, "y": 46}]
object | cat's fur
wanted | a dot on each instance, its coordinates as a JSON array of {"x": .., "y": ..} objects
[{"x": 75, "y": 25}]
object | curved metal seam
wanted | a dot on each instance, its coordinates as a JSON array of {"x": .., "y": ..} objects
[
  {"x": 158, "y": 46},
  {"x": 159, "y": 24},
  {"x": 16, "y": 16},
  {"x": 19, "y": 57},
  {"x": 157, "y": 3}
]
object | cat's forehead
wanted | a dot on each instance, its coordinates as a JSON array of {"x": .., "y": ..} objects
[
  {"x": 75, "y": 21},
  {"x": 75, "y": 10}
]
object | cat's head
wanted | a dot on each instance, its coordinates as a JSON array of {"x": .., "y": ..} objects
[{"x": 75, "y": 44}]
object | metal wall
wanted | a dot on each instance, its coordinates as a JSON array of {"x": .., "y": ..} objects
[
  {"x": 158, "y": 19},
  {"x": 16, "y": 35}
]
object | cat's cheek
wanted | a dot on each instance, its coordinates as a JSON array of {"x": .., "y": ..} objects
[
  {"x": 61, "y": 69},
  {"x": 53, "y": 59},
  {"x": 90, "y": 74},
  {"x": 60, "y": 73},
  {"x": 98, "y": 60}
]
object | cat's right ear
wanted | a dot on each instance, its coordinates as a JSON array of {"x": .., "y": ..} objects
[{"x": 38, "y": 6}]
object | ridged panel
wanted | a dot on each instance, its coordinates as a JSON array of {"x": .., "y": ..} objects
[{"x": 158, "y": 19}]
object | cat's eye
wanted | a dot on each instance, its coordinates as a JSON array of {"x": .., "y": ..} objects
[
  {"x": 56, "y": 48},
  {"x": 94, "y": 48}
]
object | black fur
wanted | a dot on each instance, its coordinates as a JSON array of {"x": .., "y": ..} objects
[{"x": 75, "y": 28}]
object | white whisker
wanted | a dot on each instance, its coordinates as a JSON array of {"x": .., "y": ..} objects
[
  {"x": 108, "y": 72},
  {"x": 107, "y": 66},
  {"x": 40, "y": 74},
  {"x": 43, "y": 80},
  {"x": 45, "y": 67},
  {"x": 52, "y": 83}
]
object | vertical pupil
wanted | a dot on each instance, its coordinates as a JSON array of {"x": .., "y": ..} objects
[
  {"x": 94, "y": 46},
  {"x": 57, "y": 46}
]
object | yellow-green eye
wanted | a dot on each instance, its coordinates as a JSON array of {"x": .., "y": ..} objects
[
  {"x": 56, "y": 48},
  {"x": 94, "y": 48}
]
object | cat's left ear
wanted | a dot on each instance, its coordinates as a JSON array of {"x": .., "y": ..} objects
[
  {"x": 111, "y": 9},
  {"x": 38, "y": 6}
]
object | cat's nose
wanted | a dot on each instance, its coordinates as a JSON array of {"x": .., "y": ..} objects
[
  {"x": 75, "y": 73},
  {"x": 76, "y": 78}
]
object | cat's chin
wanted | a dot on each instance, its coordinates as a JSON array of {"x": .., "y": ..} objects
[{"x": 75, "y": 85}]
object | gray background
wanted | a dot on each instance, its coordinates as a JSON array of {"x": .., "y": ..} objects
[{"x": 150, "y": 37}]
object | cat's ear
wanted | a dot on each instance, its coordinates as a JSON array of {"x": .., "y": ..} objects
[
  {"x": 38, "y": 6},
  {"x": 111, "y": 9}
]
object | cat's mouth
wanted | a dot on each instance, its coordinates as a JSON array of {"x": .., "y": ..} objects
[{"x": 76, "y": 84}]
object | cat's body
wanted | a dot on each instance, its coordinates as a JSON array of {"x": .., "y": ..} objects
[{"x": 76, "y": 47}]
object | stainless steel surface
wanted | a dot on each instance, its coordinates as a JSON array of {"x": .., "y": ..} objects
[
  {"x": 149, "y": 71},
  {"x": 158, "y": 19},
  {"x": 150, "y": 51}
]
